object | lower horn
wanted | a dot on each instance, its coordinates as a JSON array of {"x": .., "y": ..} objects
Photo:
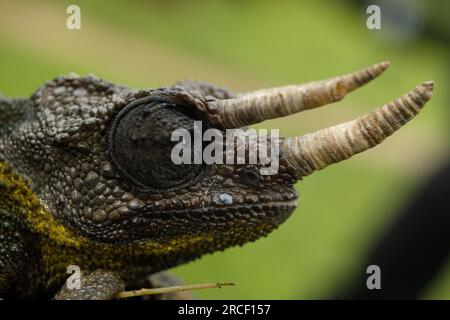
[{"x": 315, "y": 151}]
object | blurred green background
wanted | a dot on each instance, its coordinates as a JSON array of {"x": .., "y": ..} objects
[{"x": 245, "y": 45}]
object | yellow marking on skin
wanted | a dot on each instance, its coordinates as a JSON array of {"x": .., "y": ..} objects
[
  {"x": 65, "y": 247},
  {"x": 39, "y": 220}
]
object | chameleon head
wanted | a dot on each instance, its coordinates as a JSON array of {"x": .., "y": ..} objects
[{"x": 99, "y": 156}]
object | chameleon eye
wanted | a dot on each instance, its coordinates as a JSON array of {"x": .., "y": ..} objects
[{"x": 140, "y": 144}]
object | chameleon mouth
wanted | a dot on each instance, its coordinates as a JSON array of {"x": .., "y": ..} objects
[
  {"x": 229, "y": 211},
  {"x": 232, "y": 225},
  {"x": 228, "y": 225}
]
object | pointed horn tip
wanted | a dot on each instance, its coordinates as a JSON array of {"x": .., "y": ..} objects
[
  {"x": 426, "y": 90},
  {"x": 357, "y": 79},
  {"x": 382, "y": 66},
  {"x": 377, "y": 69}
]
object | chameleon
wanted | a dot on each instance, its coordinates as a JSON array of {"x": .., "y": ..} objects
[{"x": 86, "y": 177}]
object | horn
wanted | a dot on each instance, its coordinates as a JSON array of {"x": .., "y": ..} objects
[
  {"x": 273, "y": 103},
  {"x": 315, "y": 151}
]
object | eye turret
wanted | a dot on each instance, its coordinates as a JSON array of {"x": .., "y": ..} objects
[{"x": 140, "y": 143}]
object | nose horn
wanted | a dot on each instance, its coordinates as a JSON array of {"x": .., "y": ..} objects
[{"x": 315, "y": 151}]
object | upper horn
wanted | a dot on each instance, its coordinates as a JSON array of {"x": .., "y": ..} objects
[{"x": 273, "y": 103}]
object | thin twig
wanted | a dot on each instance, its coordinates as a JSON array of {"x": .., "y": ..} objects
[{"x": 144, "y": 292}]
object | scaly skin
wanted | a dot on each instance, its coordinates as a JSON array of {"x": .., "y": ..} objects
[
  {"x": 64, "y": 202},
  {"x": 86, "y": 177}
]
